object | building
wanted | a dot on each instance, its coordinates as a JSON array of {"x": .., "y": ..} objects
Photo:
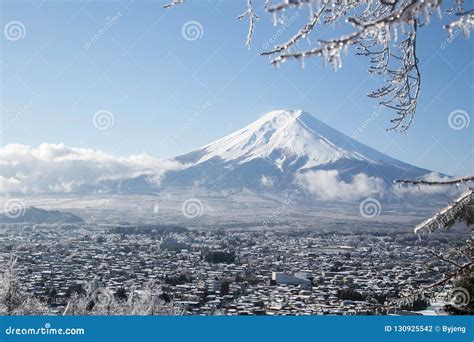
[{"x": 299, "y": 279}]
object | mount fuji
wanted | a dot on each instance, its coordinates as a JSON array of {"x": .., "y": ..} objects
[{"x": 284, "y": 149}]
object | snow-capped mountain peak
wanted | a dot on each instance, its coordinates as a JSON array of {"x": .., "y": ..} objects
[
  {"x": 281, "y": 145},
  {"x": 282, "y": 133}
]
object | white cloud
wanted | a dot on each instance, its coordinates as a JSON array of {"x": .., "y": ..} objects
[
  {"x": 326, "y": 185},
  {"x": 267, "y": 182},
  {"x": 10, "y": 185},
  {"x": 58, "y": 168}
]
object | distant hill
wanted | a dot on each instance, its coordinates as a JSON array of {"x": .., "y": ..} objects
[{"x": 37, "y": 216}]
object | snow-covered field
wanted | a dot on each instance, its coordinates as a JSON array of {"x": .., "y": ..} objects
[{"x": 200, "y": 208}]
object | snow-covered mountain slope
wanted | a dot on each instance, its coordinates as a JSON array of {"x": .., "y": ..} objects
[
  {"x": 293, "y": 132},
  {"x": 284, "y": 148}
]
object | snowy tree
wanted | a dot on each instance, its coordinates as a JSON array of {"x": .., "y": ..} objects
[
  {"x": 461, "y": 259},
  {"x": 385, "y": 31},
  {"x": 13, "y": 299},
  {"x": 11, "y": 294},
  {"x": 32, "y": 306},
  {"x": 103, "y": 301}
]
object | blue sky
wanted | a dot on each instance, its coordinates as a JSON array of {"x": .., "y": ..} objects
[{"x": 153, "y": 82}]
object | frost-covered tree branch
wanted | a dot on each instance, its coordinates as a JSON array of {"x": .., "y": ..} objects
[
  {"x": 465, "y": 23},
  {"x": 459, "y": 210},
  {"x": 403, "y": 83},
  {"x": 373, "y": 35},
  {"x": 444, "y": 258},
  {"x": 252, "y": 18},
  {"x": 455, "y": 181},
  {"x": 385, "y": 31},
  {"x": 303, "y": 33},
  {"x": 460, "y": 259},
  {"x": 452, "y": 275},
  {"x": 173, "y": 3}
]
